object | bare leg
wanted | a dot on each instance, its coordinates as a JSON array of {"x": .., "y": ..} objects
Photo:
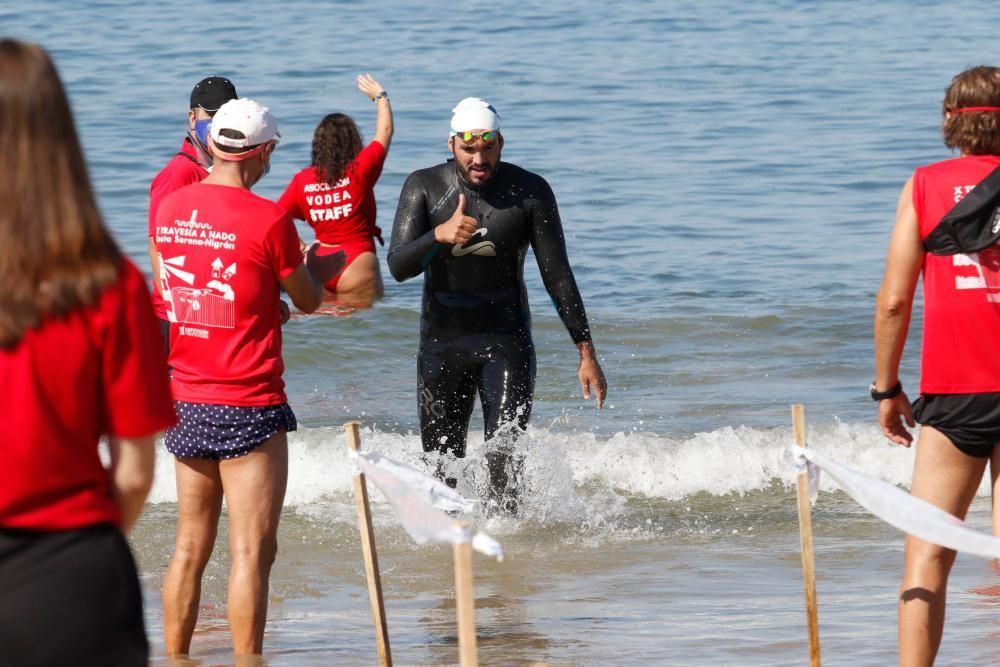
[
  {"x": 946, "y": 478},
  {"x": 361, "y": 282},
  {"x": 995, "y": 479},
  {"x": 199, "y": 503},
  {"x": 995, "y": 493},
  {"x": 255, "y": 489}
]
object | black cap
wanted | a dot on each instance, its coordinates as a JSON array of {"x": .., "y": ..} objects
[{"x": 212, "y": 93}]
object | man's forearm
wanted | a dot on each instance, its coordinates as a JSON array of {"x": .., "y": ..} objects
[
  {"x": 409, "y": 259},
  {"x": 892, "y": 322}
]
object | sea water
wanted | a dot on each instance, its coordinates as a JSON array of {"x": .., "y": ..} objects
[{"x": 727, "y": 175}]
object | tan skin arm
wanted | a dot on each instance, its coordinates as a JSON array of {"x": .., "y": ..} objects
[
  {"x": 305, "y": 291},
  {"x": 383, "y": 119},
  {"x": 132, "y": 465},
  {"x": 893, "y": 307},
  {"x": 591, "y": 374}
]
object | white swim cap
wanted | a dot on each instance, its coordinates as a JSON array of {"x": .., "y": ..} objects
[{"x": 473, "y": 113}]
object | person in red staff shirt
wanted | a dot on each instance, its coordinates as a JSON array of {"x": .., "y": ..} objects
[
  {"x": 189, "y": 165},
  {"x": 79, "y": 359},
  {"x": 959, "y": 403},
  {"x": 336, "y": 196},
  {"x": 227, "y": 254}
]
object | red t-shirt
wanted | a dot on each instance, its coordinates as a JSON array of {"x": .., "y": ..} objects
[
  {"x": 961, "y": 345},
  {"x": 225, "y": 250},
  {"x": 98, "y": 370},
  {"x": 183, "y": 169},
  {"x": 344, "y": 211}
]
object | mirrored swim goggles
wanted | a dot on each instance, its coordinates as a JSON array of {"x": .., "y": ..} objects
[{"x": 485, "y": 135}]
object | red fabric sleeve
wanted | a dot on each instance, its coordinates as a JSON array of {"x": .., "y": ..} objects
[
  {"x": 136, "y": 398},
  {"x": 367, "y": 166},
  {"x": 289, "y": 200},
  {"x": 162, "y": 185},
  {"x": 167, "y": 181},
  {"x": 919, "y": 196},
  {"x": 282, "y": 246}
]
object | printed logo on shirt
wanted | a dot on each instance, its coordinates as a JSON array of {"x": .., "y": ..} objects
[
  {"x": 194, "y": 232},
  {"x": 445, "y": 199},
  {"x": 982, "y": 272},
  {"x": 429, "y": 405},
  {"x": 334, "y": 201},
  {"x": 959, "y": 192},
  {"x": 323, "y": 187},
  {"x": 192, "y": 331},
  {"x": 482, "y": 248},
  {"x": 210, "y": 303}
]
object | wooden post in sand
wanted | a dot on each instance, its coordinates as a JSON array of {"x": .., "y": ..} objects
[
  {"x": 806, "y": 540},
  {"x": 368, "y": 548},
  {"x": 465, "y": 604}
]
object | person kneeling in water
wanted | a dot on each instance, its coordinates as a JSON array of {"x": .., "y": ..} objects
[{"x": 336, "y": 196}]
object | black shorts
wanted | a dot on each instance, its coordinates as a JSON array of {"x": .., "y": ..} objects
[
  {"x": 970, "y": 421},
  {"x": 165, "y": 332},
  {"x": 69, "y": 597}
]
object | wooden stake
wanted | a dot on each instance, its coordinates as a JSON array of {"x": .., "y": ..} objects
[
  {"x": 465, "y": 604},
  {"x": 806, "y": 540},
  {"x": 368, "y": 549}
]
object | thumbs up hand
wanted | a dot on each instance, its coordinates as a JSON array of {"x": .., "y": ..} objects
[{"x": 459, "y": 228}]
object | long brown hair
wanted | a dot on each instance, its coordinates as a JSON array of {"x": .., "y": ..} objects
[
  {"x": 336, "y": 142},
  {"x": 56, "y": 254},
  {"x": 973, "y": 132}
]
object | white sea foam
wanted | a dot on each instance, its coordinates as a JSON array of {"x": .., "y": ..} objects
[{"x": 572, "y": 475}]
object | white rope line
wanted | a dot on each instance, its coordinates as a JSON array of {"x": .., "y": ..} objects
[
  {"x": 420, "y": 502},
  {"x": 898, "y": 508}
]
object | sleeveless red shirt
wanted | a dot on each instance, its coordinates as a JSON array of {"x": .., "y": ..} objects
[{"x": 961, "y": 344}]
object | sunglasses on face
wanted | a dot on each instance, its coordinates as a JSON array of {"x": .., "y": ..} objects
[{"x": 487, "y": 135}]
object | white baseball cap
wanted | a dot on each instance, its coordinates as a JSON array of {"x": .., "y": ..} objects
[
  {"x": 252, "y": 119},
  {"x": 474, "y": 113}
]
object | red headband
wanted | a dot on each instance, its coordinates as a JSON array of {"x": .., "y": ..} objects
[
  {"x": 968, "y": 109},
  {"x": 239, "y": 157}
]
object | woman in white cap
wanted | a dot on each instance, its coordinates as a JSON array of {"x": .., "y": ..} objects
[
  {"x": 336, "y": 196},
  {"x": 466, "y": 225},
  {"x": 227, "y": 254}
]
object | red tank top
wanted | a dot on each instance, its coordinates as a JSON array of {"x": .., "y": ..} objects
[{"x": 961, "y": 345}]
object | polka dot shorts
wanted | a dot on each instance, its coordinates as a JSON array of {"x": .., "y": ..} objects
[{"x": 217, "y": 432}]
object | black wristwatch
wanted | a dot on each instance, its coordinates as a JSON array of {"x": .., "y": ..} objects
[
  {"x": 891, "y": 392},
  {"x": 380, "y": 96}
]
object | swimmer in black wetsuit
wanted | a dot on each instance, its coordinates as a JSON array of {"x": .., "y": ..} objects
[{"x": 466, "y": 225}]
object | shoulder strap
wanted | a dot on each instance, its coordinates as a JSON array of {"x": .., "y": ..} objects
[
  {"x": 183, "y": 154},
  {"x": 972, "y": 224}
]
